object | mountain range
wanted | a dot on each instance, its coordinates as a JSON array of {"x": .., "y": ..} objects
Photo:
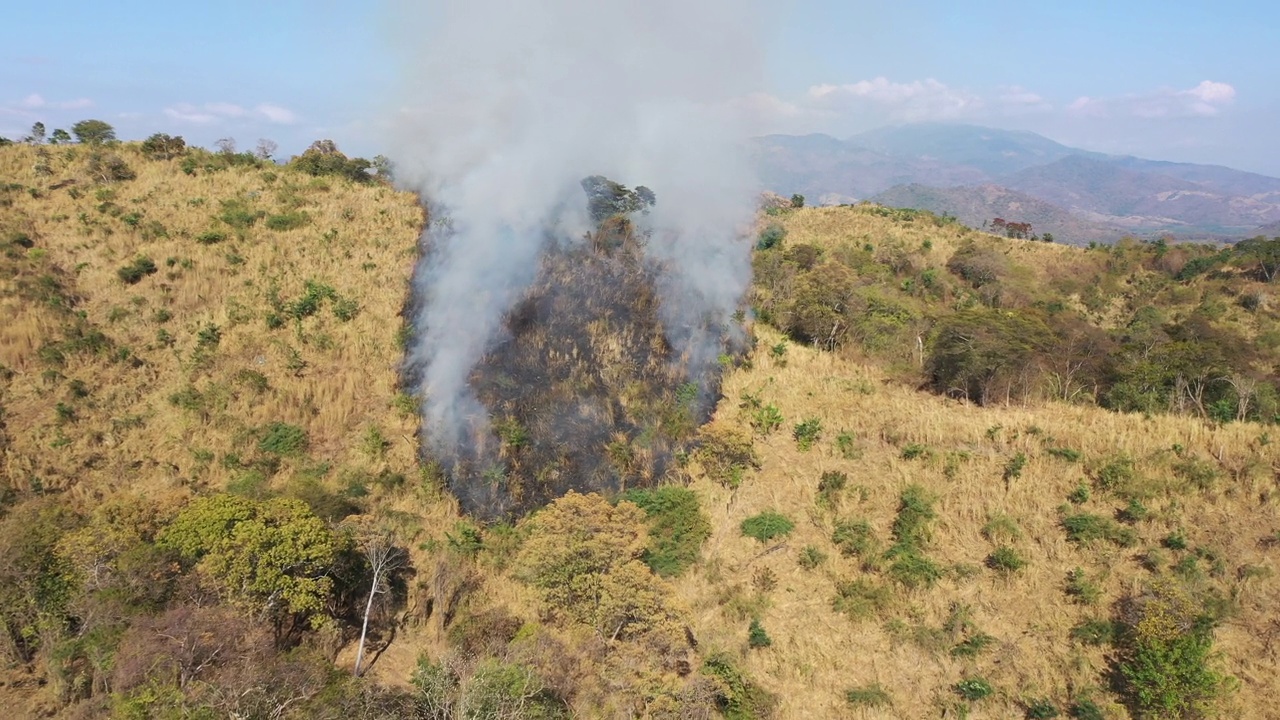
[{"x": 978, "y": 173}]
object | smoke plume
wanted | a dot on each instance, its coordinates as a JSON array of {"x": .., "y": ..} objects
[{"x": 507, "y": 106}]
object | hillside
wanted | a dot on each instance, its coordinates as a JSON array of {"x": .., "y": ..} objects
[
  {"x": 977, "y": 206},
  {"x": 955, "y": 474}
]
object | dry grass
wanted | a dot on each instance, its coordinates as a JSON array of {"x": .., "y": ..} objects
[{"x": 818, "y": 654}]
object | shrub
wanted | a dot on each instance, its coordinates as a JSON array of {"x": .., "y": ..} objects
[
  {"x": 1086, "y": 527},
  {"x": 914, "y": 570},
  {"x": 1005, "y": 559},
  {"x": 854, "y": 537},
  {"x": 1013, "y": 468},
  {"x": 1080, "y": 589},
  {"x": 1079, "y": 496},
  {"x": 830, "y": 485},
  {"x": 1086, "y": 709},
  {"x": 283, "y": 439},
  {"x": 766, "y": 419},
  {"x": 1094, "y": 632},
  {"x": 1042, "y": 709},
  {"x": 109, "y": 168},
  {"x": 915, "y": 450},
  {"x": 807, "y": 433},
  {"x": 767, "y": 525},
  {"x": 211, "y": 237},
  {"x": 1064, "y": 453},
  {"x": 771, "y": 237},
  {"x": 915, "y": 510},
  {"x": 1165, "y": 654},
  {"x": 756, "y": 636},
  {"x": 163, "y": 147},
  {"x": 287, "y": 221},
  {"x": 811, "y": 557},
  {"x": 738, "y": 697},
  {"x": 133, "y": 273},
  {"x": 869, "y": 696},
  {"x": 860, "y": 598},
  {"x": 974, "y": 688},
  {"x": 677, "y": 527},
  {"x": 726, "y": 455},
  {"x": 972, "y": 646}
]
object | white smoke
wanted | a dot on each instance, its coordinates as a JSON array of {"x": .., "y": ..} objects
[{"x": 509, "y": 104}]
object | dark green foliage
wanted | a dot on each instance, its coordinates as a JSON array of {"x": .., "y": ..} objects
[
  {"x": 771, "y": 237},
  {"x": 1081, "y": 589},
  {"x": 830, "y": 486},
  {"x": 1042, "y": 709},
  {"x": 606, "y": 198},
  {"x": 109, "y": 168},
  {"x": 93, "y": 132},
  {"x": 1165, "y": 654},
  {"x": 287, "y": 221},
  {"x": 1086, "y": 527},
  {"x": 133, "y": 273},
  {"x": 1006, "y": 560},
  {"x": 981, "y": 354},
  {"x": 239, "y": 215},
  {"x": 1013, "y": 468},
  {"x": 1079, "y": 496},
  {"x": 915, "y": 510},
  {"x": 913, "y": 570},
  {"x": 1134, "y": 512},
  {"x": 1094, "y": 632},
  {"x": 677, "y": 527},
  {"x": 1175, "y": 541},
  {"x": 1086, "y": 710},
  {"x": 164, "y": 147},
  {"x": 739, "y": 698},
  {"x": 807, "y": 433},
  {"x": 973, "y": 688},
  {"x": 211, "y": 237},
  {"x": 756, "y": 636},
  {"x": 323, "y": 158},
  {"x": 1064, "y": 453},
  {"x": 283, "y": 439},
  {"x": 767, "y": 525},
  {"x": 869, "y": 696},
  {"x": 913, "y": 451},
  {"x": 854, "y": 537}
]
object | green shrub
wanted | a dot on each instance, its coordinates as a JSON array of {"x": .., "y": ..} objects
[
  {"x": 771, "y": 237},
  {"x": 283, "y": 439},
  {"x": 1079, "y": 496},
  {"x": 868, "y": 696},
  {"x": 1001, "y": 528},
  {"x": 1117, "y": 475},
  {"x": 1175, "y": 541},
  {"x": 767, "y": 525},
  {"x": 1013, "y": 468},
  {"x": 211, "y": 237},
  {"x": 1094, "y": 632},
  {"x": 854, "y": 537},
  {"x": 807, "y": 433},
  {"x": 1006, "y": 560},
  {"x": 974, "y": 688},
  {"x": 677, "y": 527},
  {"x": 766, "y": 419},
  {"x": 739, "y": 698},
  {"x": 915, "y": 510},
  {"x": 756, "y": 636},
  {"x": 141, "y": 267},
  {"x": 1134, "y": 511},
  {"x": 1080, "y": 589},
  {"x": 860, "y": 598},
  {"x": 1202, "y": 475},
  {"x": 287, "y": 221},
  {"x": 1064, "y": 453},
  {"x": 972, "y": 646},
  {"x": 913, "y": 451},
  {"x": 1086, "y": 709},
  {"x": 1165, "y": 654},
  {"x": 830, "y": 485},
  {"x": 1086, "y": 527},
  {"x": 914, "y": 570},
  {"x": 1042, "y": 709},
  {"x": 811, "y": 557},
  {"x": 345, "y": 309}
]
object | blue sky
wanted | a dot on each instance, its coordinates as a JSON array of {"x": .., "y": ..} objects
[{"x": 1178, "y": 80}]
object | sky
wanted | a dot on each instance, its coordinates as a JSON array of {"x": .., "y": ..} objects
[{"x": 1175, "y": 80}]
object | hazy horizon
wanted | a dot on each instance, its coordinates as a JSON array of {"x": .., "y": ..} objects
[{"x": 1180, "y": 83}]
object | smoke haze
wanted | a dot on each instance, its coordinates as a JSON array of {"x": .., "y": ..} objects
[{"x": 508, "y": 105}]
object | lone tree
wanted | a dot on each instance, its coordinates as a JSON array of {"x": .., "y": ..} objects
[
  {"x": 37, "y": 134},
  {"x": 161, "y": 146},
  {"x": 93, "y": 132},
  {"x": 385, "y": 557},
  {"x": 797, "y": 201},
  {"x": 60, "y": 137},
  {"x": 606, "y": 198}
]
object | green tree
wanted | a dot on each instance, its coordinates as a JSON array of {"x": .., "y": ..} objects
[
  {"x": 59, "y": 137},
  {"x": 324, "y": 158},
  {"x": 797, "y": 201},
  {"x": 161, "y": 146},
  {"x": 272, "y": 557},
  {"x": 93, "y": 132},
  {"x": 606, "y": 198},
  {"x": 1263, "y": 254},
  {"x": 37, "y": 134}
]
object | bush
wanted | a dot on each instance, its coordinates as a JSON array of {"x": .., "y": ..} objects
[
  {"x": 756, "y": 636},
  {"x": 1006, "y": 560},
  {"x": 283, "y": 439},
  {"x": 677, "y": 527},
  {"x": 1042, "y": 709},
  {"x": 1086, "y": 527},
  {"x": 860, "y": 598},
  {"x": 1165, "y": 654},
  {"x": 109, "y": 168},
  {"x": 869, "y": 696},
  {"x": 738, "y": 698},
  {"x": 974, "y": 688},
  {"x": 211, "y": 237},
  {"x": 141, "y": 267},
  {"x": 771, "y": 237},
  {"x": 914, "y": 570},
  {"x": 811, "y": 557},
  {"x": 1094, "y": 632},
  {"x": 287, "y": 221},
  {"x": 807, "y": 433},
  {"x": 163, "y": 147},
  {"x": 767, "y": 525},
  {"x": 1086, "y": 710},
  {"x": 972, "y": 647},
  {"x": 1080, "y": 589},
  {"x": 854, "y": 537}
]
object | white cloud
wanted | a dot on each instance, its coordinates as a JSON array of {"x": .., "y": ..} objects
[
  {"x": 913, "y": 101},
  {"x": 32, "y": 101},
  {"x": 1017, "y": 100},
  {"x": 1207, "y": 99},
  {"x": 36, "y": 101},
  {"x": 221, "y": 112},
  {"x": 277, "y": 114}
]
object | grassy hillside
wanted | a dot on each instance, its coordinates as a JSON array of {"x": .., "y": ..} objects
[{"x": 201, "y": 459}]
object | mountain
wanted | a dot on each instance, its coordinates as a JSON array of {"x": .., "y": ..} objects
[
  {"x": 990, "y": 151},
  {"x": 820, "y": 166},
  {"x": 1110, "y": 196},
  {"x": 977, "y": 205}
]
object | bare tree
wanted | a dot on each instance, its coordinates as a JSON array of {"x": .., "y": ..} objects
[
  {"x": 266, "y": 148},
  {"x": 226, "y": 145},
  {"x": 385, "y": 556}
]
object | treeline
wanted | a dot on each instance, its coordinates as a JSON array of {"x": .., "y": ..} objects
[
  {"x": 321, "y": 158},
  {"x": 1135, "y": 327}
]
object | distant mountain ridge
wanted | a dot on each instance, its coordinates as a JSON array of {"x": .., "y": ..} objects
[{"x": 978, "y": 173}]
